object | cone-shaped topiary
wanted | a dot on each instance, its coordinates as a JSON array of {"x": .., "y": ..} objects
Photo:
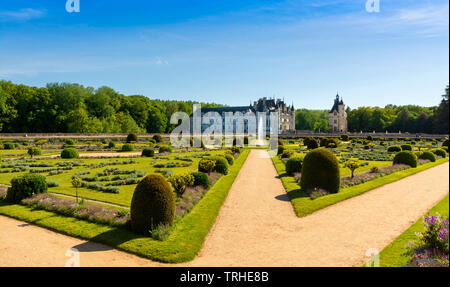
[
  {"x": 153, "y": 204},
  {"x": 406, "y": 157},
  {"x": 320, "y": 170}
]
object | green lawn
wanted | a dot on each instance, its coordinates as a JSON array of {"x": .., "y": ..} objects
[
  {"x": 182, "y": 245},
  {"x": 304, "y": 205},
  {"x": 394, "y": 255}
]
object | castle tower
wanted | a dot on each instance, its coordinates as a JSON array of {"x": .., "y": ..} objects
[{"x": 337, "y": 117}]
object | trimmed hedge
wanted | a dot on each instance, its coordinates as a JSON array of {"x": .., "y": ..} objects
[
  {"x": 229, "y": 158},
  {"x": 440, "y": 152},
  {"x": 320, "y": 170},
  {"x": 157, "y": 138},
  {"x": 153, "y": 204},
  {"x": 406, "y": 157},
  {"x": 132, "y": 138},
  {"x": 69, "y": 153},
  {"x": 221, "y": 164},
  {"x": 311, "y": 143},
  {"x": 26, "y": 186},
  {"x": 406, "y": 147},
  {"x": 127, "y": 147},
  {"x": 148, "y": 152},
  {"x": 202, "y": 179},
  {"x": 165, "y": 148},
  {"x": 428, "y": 155},
  {"x": 294, "y": 164},
  {"x": 394, "y": 148}
]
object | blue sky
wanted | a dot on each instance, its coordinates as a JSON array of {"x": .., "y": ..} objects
[{"x": 234, "y": 51}]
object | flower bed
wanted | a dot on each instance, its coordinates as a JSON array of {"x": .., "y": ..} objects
[{"x": 362, "y": 178}]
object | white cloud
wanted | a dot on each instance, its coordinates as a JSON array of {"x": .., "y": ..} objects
[{"x": 21, "y": 15}]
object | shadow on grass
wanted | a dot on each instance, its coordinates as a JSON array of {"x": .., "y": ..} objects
[
  {"x": 116, "y": 237},
  {"x": 295, "y": 193}
]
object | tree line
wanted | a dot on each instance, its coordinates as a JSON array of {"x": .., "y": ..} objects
[
  {"x": 73, "y": 108},
  {"x": 391, "y": 118}
]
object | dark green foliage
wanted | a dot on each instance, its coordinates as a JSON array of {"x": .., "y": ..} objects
[
  {"x": 280, "y": 149},
  {"x": 221, "y": 164},
  {"x": 69, "y": 153},
  {"x": 229, "y": 158},
  {"x": 132, "y": 138},
  {"x": 445, "y": 143},
  {"x": 165, "y": 148},
  {"x": 345, "y": 137},
  {"x": 428, "y": 155},
  {"x": 153, "y": 204},
  {"x": 111, "y": 144},
  {"x": 8, "y": 146},
  {"x": 294, "y": 164},
  {"x": 70, "y": 142},
  {"x": 287, "y": 153},
  {"x": 127, "y": 147},
  {"x": 33, "y": 151},
  {"x": 369, "y": 138},
  {"x": 26, "y": 186},
  {"x": 406, "y": 147},
  {"x": 157, "y": 138},
  {"x": 394, "y": 148},
  {"x": 148, "y": 152},
  {"x": 406, "y": 157},
  {"x": 440, "y": 152},
  {"x": 202, "y": 179},
  {"x": 312, "y": 143},
  {"x": 329, "y": 142},
  {"x": 280, "y": 142},
  {"x": 320, "y": 170}
]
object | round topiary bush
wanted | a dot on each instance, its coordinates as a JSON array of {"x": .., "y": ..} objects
[
  {"x": 440, "y": 152},
  {"x": 153, "y": 204},
  {"x": 165, "y": 148},
  {"x": 132, "y": 138},
  {"x": 157, "y": 138},
  {"x": 229, "y": 158},
  {"x": 320, "y": 170},
  {"x": 445, "y": 143},
  {"x": 70, "y": 142},
  {"x": 26, "y": 186},
  {"x": 111, "y": 144},
  {"x": 148, "y": 152},
  {"x": 345, "y": 137},
  {"x": 201, "y": 178},
  {"x": 127, "y": 147},
  {"x": 394, "y": 148},
  {"x": 294, "y": 164},
  {"x": 312, "y": 144},
  {"x": 428, "y": 155},
  {"x": 406, "y": 147},
  {"x": 406, "y": 157},
  {"x": 69, "y": 153},
  {"x": 221, "y": 164}
]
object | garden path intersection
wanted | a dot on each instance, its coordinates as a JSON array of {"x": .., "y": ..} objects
[{"x": 256, "y": 226}]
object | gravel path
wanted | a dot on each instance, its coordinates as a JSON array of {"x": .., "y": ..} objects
[{"x": 257, "y": 226}]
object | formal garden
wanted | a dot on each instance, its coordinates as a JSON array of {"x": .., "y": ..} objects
[{"x": 155, "y": 201}]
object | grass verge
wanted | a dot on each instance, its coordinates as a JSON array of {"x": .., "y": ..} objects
[
  {"x": 304, "y": 206},
  {"x": 394, "y": 255},
  {"x": 181, "y": 246}
]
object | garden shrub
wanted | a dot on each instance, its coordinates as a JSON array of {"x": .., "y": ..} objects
[
  {"x": 69, "y": 153},
  {"x": 428, "y": 155},
  {"x": 280, "y": 142},
  {"x": 440, "y": 152},
  {"x": 394, "y": 148},
  {"x": 406, "y": 147},
  {"x": 206, "y": 165},
  {"x": 153, "y": 203},
  {"x": 157, "y": 138},
  {"x": 406, "y": 157},
  {"x": 345, "y": 137},
  {"x": 320, "y": 170},
  {"x": 280, "y": 149},
  {"x": 229, "y": 158},
  {"x": 202, "y": 179},
  {"x": 70, "y": 142},
  {"x": 127, "y": 147},
  {"x": 221, "y": 164},
  {"x": 287, "y": 153},
  {"x": 369, "y": 138},
  {"x": 235, "y": 149},
  {"x": 33, "y": 151},
  {"x": 132, "y": 138},
  {"x": 165, "y": 148},
  {"x": 445, "y": 143},
  {"x": 111, "y": 144},
  {"x": 26, "y": 186},
  {"x": 181, "y": 182},
  {"x": 148, "y": 152},
  {"x": 312, "y": 143},
  {"x": 8, "y": 146},
  {"x": 294, "y": 164}
]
